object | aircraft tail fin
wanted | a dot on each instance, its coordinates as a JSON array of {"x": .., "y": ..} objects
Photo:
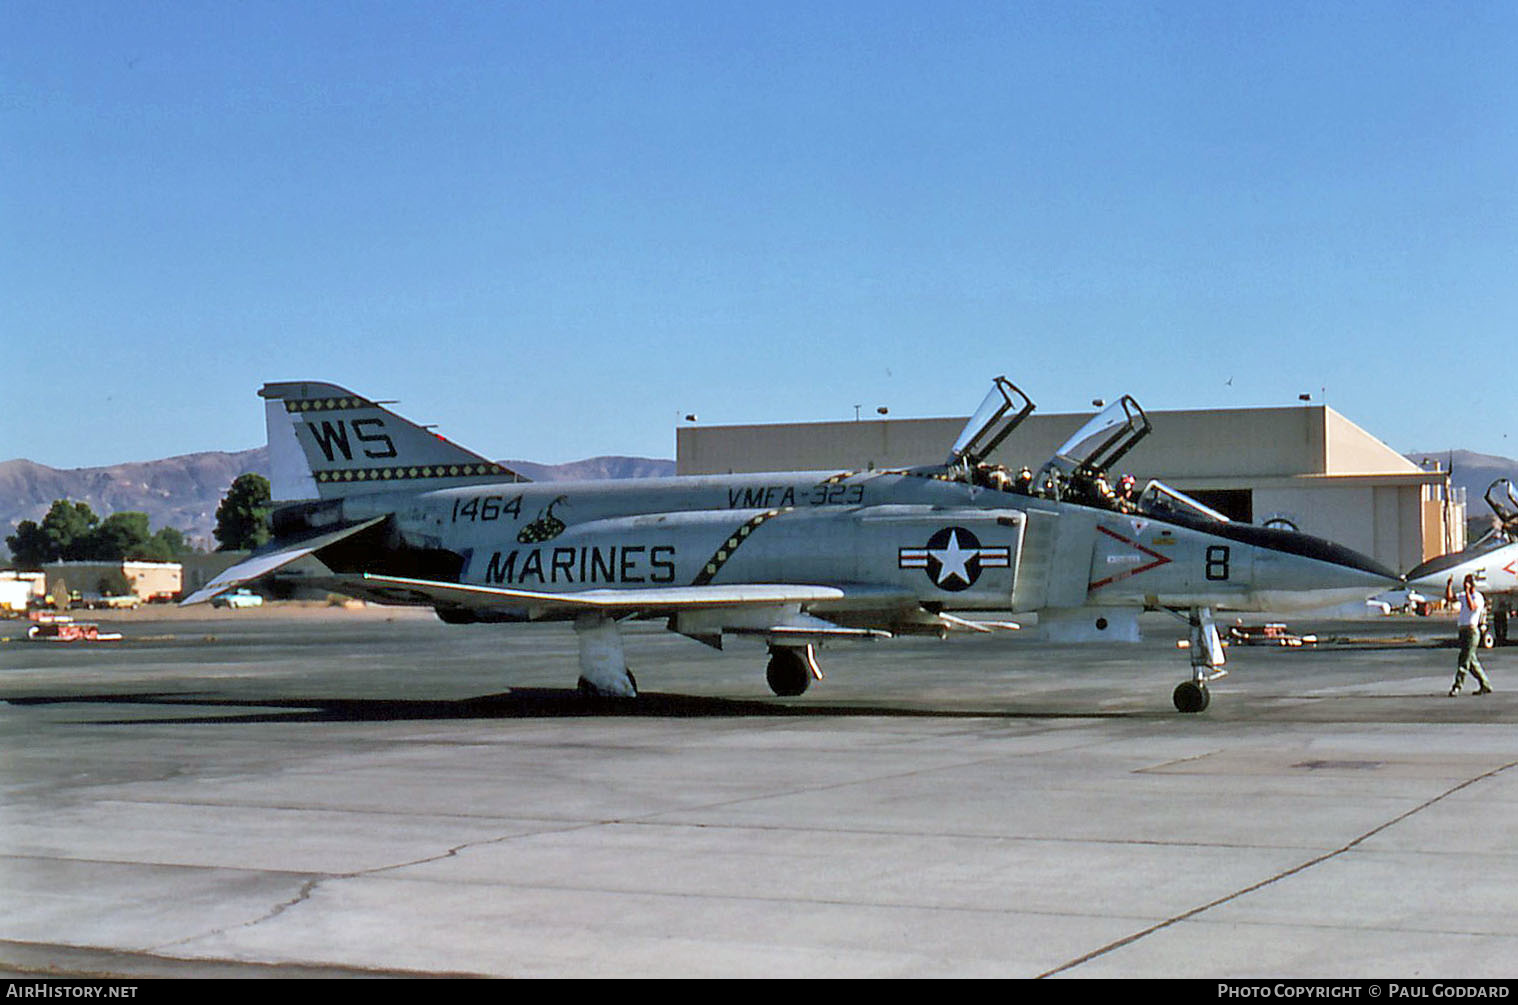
[{"x": 326, "y": 442}]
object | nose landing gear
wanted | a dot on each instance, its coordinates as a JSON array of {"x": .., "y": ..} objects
[
  {"x": 1206, "y": 649},
  {"x": 1191, "y": 696}
]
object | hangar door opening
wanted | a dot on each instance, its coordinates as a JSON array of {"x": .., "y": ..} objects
[{"x": 1235, "y": 504}]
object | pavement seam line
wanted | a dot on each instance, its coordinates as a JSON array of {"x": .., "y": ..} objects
[
  {"x": 1294, "y": 870},
  {"x": 310, "y": 885}
]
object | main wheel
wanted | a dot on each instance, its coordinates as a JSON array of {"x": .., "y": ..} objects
[
  {"x": 589, "y": 690},
  {"x": 788, "y": 675},
  {"x": 1191, "y": 696}
]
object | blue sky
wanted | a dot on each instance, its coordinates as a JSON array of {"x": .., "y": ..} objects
[{"x": 554, "y": 228}]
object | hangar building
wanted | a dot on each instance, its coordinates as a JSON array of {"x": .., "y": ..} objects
[
  {"x": 143, "y": 580},
  {"x": 1307, "y": 466}
]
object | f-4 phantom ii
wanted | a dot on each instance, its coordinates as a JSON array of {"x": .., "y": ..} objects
[
  {"x": 1493, "y": 560},
  {"x": 798, "y": 559}
]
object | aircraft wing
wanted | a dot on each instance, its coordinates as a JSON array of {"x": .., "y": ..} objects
[
  {"x": 264, "y": 562},
  {"x": 611, "y": 602},
  {"x": 774, "y": 610}
]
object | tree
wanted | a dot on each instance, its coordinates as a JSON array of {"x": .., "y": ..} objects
[
  {"x": 119, "y": 536},
  {"x": 242, "y": 519},
  {"x": 30, "y": 547},
  {"x": 66, "y": 532},
  {"x": 113, "y": 583},
  {"x": 71, "y": 532},
  {"x": 69, "y": 527},
  {"x": 166, "y": 545}
]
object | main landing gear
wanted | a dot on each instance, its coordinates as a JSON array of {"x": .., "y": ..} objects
[
  {"x": 1207, "y": 658},
  {"x": 603, "y": 668},
  {"x": 792, "y": 669},
  {"x": 1494, "y": 628},
  {"x": 604, "y": 673}
]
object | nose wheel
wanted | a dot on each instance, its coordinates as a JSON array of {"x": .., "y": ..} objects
[
  {"x": 1206, "y": 649},
  {"x": 1191, "y": 696}
]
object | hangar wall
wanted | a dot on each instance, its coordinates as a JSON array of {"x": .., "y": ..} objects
[{"x": 1306, "y": 464}]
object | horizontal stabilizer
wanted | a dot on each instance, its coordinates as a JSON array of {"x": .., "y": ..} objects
[{"x": 263, "y": 562}]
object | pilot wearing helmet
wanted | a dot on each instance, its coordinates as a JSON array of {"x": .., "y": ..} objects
[
  {"x": 992, "y": 476},
  {"x": 1101, "y": 491},
  {"x": 1127, "y": 494}
]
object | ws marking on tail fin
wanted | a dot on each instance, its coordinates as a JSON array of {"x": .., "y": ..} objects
[{"x": 326, "y": 442}]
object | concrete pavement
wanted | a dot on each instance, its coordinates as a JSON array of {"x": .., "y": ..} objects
[{"x": 290, "y": 791}]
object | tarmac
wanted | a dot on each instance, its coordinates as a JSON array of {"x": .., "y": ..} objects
[{"x": 302, "y": 791}]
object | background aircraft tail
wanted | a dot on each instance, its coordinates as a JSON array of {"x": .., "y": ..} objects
[{"x": 326, "y": 442}]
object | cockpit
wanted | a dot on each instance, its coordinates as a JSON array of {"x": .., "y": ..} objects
[
  {"x": 1003, "y": 410},
  {"x": 1503, "y": 501},
  {"x": 1079, "y": 470}
]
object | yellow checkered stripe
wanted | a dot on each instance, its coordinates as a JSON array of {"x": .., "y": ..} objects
[
  {"x": 412, "y": 472},
  {"x": 733, "y": 543},
  {"x": 327, "y": 404}
]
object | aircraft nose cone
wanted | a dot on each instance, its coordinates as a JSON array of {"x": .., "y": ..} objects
[
  {"x": 1433, "y": 574},
  {"x": 1428, "y": 581},
  {"x": 1361, "y": 570},
  {"x": 1298, "y": 571},
  {"x": 1352, "y": 577}
]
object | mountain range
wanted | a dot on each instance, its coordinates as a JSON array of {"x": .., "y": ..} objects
[
  {"x": 1472, "y": 472},
  {"x": 183, "y": 492}
]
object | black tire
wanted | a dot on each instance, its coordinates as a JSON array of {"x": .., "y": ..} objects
[
  {"x": 590, "y": 691},
  {"x": 1191, "y": 697},
  {"x": 787, "y": 674}
]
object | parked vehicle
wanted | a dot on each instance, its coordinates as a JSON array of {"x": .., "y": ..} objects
[
  {"x": 238, "y": 598},
  {"x": 96, "y": 602}
]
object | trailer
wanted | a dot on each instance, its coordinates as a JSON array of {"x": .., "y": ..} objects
[{"x": 49, "y": 627}]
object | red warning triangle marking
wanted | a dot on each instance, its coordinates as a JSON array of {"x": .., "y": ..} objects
[{"x": 1159, "y": 560}]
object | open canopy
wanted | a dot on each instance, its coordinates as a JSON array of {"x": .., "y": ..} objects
[
  {"x": 1079, "y": 467},
  {"x": 1103, "y": 441},
  {"x": 1504, "y": 503},
  {"x": 1003, "y": 410}
]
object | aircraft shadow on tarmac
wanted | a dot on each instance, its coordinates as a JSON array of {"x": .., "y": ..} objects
[{"x": 519, "y": 703}]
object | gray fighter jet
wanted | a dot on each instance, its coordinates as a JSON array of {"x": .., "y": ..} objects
[
  {"x": 797, "y": 559},
  {"x": 1493, "y": 560}
]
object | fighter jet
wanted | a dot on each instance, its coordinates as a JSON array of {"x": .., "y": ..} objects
[
  {"x": 1493, "y": 560},
  {"x": 795, "y": 559}
]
